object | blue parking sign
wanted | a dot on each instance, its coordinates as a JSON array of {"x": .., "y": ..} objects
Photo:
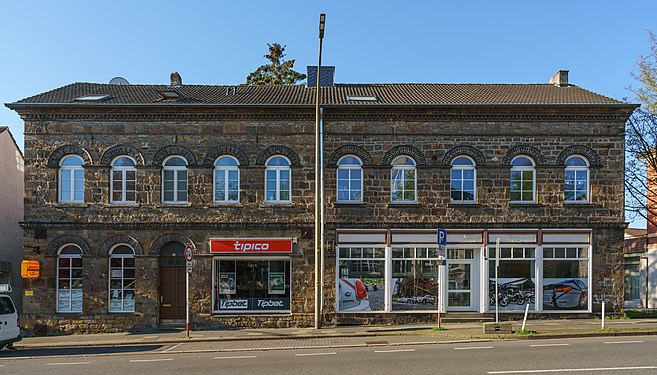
[{"x": 442, "y": 237}]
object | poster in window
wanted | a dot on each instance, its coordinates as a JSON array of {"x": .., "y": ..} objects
[
  {"x": 128, "y": 305},
  {"x": 63, "y": 300},
  {"x": 116, "y": 274},
  {"x": 115, "y": 305},
  {"x": 276, "y": 283},
  {"x": 227, "y": 283},
  {"x": 76, "y": 305}
]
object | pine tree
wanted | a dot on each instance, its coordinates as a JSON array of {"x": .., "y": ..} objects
[{"x": 278, "y": 72}]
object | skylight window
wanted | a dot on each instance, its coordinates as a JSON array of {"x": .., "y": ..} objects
[
  {"x": 169, "y": 95},
  {"x": 91, "y": 98},
  {"x": 362, "y": 98}
]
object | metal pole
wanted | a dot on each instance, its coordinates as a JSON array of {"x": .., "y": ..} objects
[
  {"x": 497, "y": 295},
  {"x": 318, "y": 287},
  {"x": 187, "y": 302},
  {"x": 321, "y": 215},
  {"x": 603, "y": 314}
]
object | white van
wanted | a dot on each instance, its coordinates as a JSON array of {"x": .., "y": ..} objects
[{"x": 9, "y": 326}]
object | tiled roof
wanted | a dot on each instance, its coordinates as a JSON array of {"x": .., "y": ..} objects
[{"x": 407, "y": 94}]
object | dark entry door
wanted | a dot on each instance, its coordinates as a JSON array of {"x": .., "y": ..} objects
[{"x": 172, "y": 292}]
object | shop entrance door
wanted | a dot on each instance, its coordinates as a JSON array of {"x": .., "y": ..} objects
[
  {"x": 172, "y": 282},
  {"x": 462, "y": 274}
]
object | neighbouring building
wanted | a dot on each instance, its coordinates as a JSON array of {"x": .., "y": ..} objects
[
  {"x": 123, "y": 180},
  {"x": 11, "y": 213}
]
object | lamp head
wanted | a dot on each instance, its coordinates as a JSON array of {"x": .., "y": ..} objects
[{"x": 322, "y": 22}]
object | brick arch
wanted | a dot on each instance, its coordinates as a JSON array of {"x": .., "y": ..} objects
[
  {"x": 157, "y": 245},
  {"x": 121, "y": 150},
  {"x": 407, "y": 150},
  {"x": 362, "y": 154},
  {"x": 234, "y": 151},
  {"x": 59, "y": 153},
  {"x": 165, "y": 152},
  {"x": 121, "y": 239},
  {"x": 278, "y": 150},
  {"x": 587, "y": 152},
  {"x": 57, "y": 243},
  {"x": 530, "y": 151},
  {"x": 470, "y": 151}
]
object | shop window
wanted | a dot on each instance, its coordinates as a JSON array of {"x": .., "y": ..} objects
[
  {"x": 278, "y": 177},
  {"x": 516, "y": 278},
  {"x": 463, "y": 180},
  {"x": 69, "y": 279},
  {"x": 576, "y": 180},
  {"x": 414, "y": 278},
  {"x": 350, "y": 180},
  {"x": 566, "y": 278},
  {"x": 122, "y": 279},
  {"x": 361, "y": 279},
  {"x": 251, "y": 285},
  {"x": 71, "y": 179},
  {"x": 123, "y": 180},
  {"x": 226, "y": 180},
  {"x": 523, "y": 180},
  {"x": 403, "y": 183},
  {"x": 174, "y": 180}
]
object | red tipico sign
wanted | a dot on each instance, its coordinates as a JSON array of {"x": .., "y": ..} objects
[{"x": 242, "y": 246}]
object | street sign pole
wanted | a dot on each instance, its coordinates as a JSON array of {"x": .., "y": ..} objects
[
  {"x": 189, "y": 256},
  {"x": 440, "y": 270},
  {"x": 497, "y": 267}
]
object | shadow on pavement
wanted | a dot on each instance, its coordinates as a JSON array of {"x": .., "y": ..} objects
[{"x": 44, "y": 352}]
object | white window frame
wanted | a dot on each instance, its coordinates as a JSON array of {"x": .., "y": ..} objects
[
  {"x": 124, "y": 171},
  {"x": 71, "y": 181},
  {"x": 588, "y": 259},
  {"x": 387, "y": 268},
  {"x": 278, "y": 169},
  {"x": 349, "y": 168},
  {"x": 226, "y": 172},
  {"x": 463, "y": 168},
  {"x": 523, "y": 169},
  {"x": 175, "y": 170},
  {"x": 109, "y": 281},
  {"x": 70, "y": 278},
  {"x": 404, "y": 169},
  {"x": 576, "y": 169},
  {"x": 538, "y": 272}
]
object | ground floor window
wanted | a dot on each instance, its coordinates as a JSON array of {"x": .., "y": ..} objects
[
  {"x": 361, "y": 279},
  {"x": 69, "y": 279},
  {"x": 565, "y": 278},
  {"x": 122, "y": 279},
  {"x": 516, "y": 278},
  {"x": 415, "y": 278},
  {"x": 251, "y": 285}
]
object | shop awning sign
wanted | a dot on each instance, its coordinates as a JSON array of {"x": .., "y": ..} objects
[{"x": 250, "y": 246}]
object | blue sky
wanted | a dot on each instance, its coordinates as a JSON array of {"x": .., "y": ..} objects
[{"x": 48, "y": 44}]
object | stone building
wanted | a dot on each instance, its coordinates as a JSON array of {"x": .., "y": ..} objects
[{"x": 120, "y": 179}]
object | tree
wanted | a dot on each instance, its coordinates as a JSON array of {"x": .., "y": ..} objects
[{"x": 278, "y": 72}]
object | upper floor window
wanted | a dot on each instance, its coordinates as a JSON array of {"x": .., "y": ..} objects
[
  {"x": 226, "y": 180},
  {"x": 523, "y": 179},
  {"x": 123, "y": 180},
  {"x": 278, "y": 176},
  {"x": 350, "y": 180},
  {"x": 71, "y": 179},
  {"x": 174, "y": 177},
  {"x": 69, "y": 279},
  {"x": 576, "y": 179},
  {"x": 463, "y": 180},
  {"x": 122, "y": 279},
  {"x": 402, "y": 180}
]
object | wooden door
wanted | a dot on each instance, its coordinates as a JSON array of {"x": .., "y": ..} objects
[{"x": 172, "y": 292}]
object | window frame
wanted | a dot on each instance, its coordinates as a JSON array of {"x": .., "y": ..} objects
[
  {"x": 349, "y": 168},
  {"x": 123, "y": 268},
  {"x": 403, "y": 168},
  {"x": 124, "y": 190},
  {"x": 71, "y": 181},
  {"x": 70, "y": 267},
  {"x": 462, "y": 168},
  {"x": 576, "y": 169},
  {"x": 278, "y": 169},
  {"x": 226, "y": 172},
  {"x": 523, "y": 169},
  {"x": 175, "y": 169}
]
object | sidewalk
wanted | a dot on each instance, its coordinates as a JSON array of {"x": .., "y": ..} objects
[{"x": 254, "y": 339}]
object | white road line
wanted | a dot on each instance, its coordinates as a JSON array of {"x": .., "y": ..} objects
[
  {"x": 474, "y": 347},
  {"x": 67, "y": 363},
  {"x": 623, "y": 342},
  {"x": 573, "y": 370},
  {"x": 151, "y": 360},
  {"x": 309, "y": 354},
  {"x": 394, "y": 351},
  {"x": 236, "y": 357},
  {"x": 540, "y": 345},
  {"x": 171, "y": 348},
  {"x": 420, "y": 342}
]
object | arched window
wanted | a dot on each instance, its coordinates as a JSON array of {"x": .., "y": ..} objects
[
  {"x": 402, "y": 180},
  {"x": 350, "y": 180},
  {"x": 226, "y": 180},
  {"x": 463, "y": 180},
  {"x": 122, "y": 279},
  {"x": 69, "y": 279},
  {"x": 523, "y": 179},
  {"x": 174, "y": 178},
  {"x": 576, "y": 179},
  {"x": 123, "y": 180},
  {"x": 278, "y": 177},
  {"x": 71, "y": 179}
]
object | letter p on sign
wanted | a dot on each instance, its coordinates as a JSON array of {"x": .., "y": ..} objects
[{"x": 442, "y": 237}]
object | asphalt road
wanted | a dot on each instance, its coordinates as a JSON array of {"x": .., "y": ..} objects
[{"x": 608, "y": 355}]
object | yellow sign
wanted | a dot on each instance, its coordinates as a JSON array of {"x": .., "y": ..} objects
[
  {"x": 30, "y": 269},
  {"x": 29, "y": 293}
]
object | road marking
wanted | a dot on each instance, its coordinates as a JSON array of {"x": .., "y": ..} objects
[
  {"x": 394, "y": 351},
  {"x": 236, "y": 357},
  {"x": 420, "y": 342},
  {"x": 474, "y": 347},
  {"x": 151, "y": 360},
  {"x": 171, "y": 348},
  {"x": 540, "y": 345},
  {"x": 622, "y": 342},
  {"x": 67, "y": 363},
  {"x": 573, "y": 370},
  {"x": 309, "y": 354}
]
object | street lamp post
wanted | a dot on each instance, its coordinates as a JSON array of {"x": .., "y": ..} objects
[{"x": 318, "y": 185}]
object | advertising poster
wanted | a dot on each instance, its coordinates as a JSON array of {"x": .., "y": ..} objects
[
  {"x": 565, "y": 294},
  {"x": 227, "y": 283},
  {"x": 513, "y": 293},
  {"x": 276, "y": 283}
]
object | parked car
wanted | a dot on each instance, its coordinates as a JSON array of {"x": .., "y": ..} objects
[
  {"x": 352, "y": 295},
  {"x": 9, "y": 325},
  {"x": 405, "y": 300},
  {"x": 425, "y": 299},
  {"x": 566, "y": 294}
]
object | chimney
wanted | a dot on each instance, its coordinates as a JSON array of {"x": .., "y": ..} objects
[
  {"x": 176, "y": 79},
  {"x": 326, "y": 78},
  {"x": 560, "y": 78}
]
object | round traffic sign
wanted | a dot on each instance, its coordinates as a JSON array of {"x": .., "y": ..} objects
[{"x": 189, "y": 253}]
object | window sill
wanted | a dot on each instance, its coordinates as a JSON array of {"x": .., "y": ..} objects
[
  {"x": 277, "y": 204},
  {"x": 226, "y": 204},
  {"x": 172, "y": 204},
  {"x": 524, "y": 204},
  {"x": 578, "y": 204},
  {"x": 350, "y": 204},
  {"x": 119, "y": 205},
  {"x": 71, "y": 204},
  {"x": 462, "y": 204}
]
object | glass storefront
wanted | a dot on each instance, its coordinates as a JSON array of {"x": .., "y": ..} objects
[
  {"x": 414, "y": 278},
  {"x": 516, "y": 278},
  {"x": 565, "y": 278},
  {"x": 361, "y": 281}
]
